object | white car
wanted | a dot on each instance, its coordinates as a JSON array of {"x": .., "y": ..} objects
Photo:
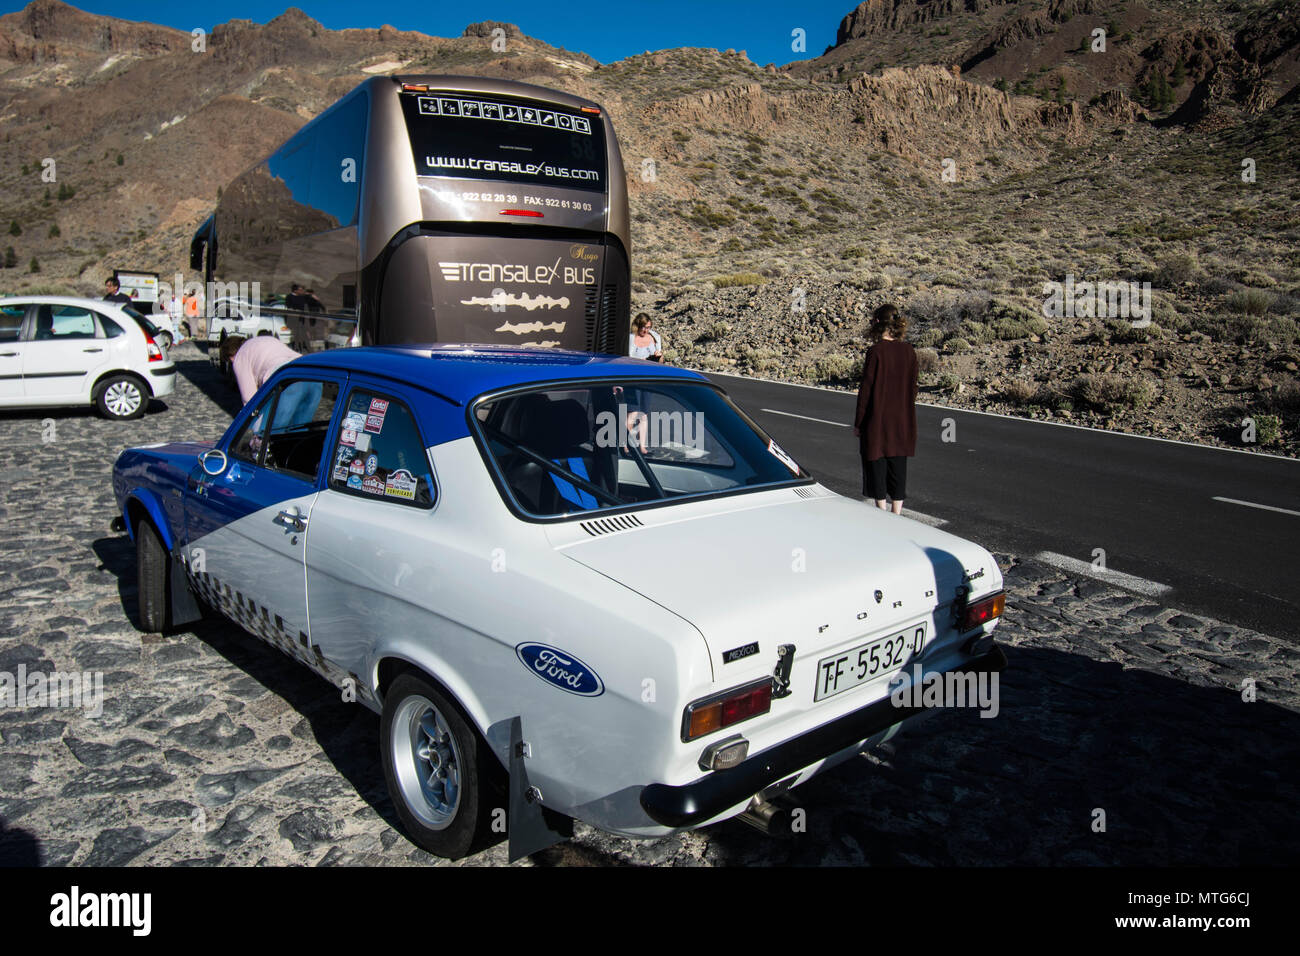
[
  {"x": 237, "y": 317},
  {"x": 580, "y": 584},
  {"x": 62, "y": 350}
]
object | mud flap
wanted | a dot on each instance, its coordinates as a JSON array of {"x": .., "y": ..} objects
[
  {"x": 532, "y": 826},
  {"x": 185, "y": 608}
]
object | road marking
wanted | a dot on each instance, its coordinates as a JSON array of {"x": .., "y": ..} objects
[
  {"x": 1118, "y": 578},
  {"x": 807, "y": 418},
  {"x": 1251, "y": 504},
  {"x": 1015, "y": 418}
]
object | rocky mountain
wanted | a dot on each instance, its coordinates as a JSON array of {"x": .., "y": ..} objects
[{"x": 949, "y": 155}]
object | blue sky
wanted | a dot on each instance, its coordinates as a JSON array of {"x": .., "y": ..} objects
[{"x": 606, "y": 30}]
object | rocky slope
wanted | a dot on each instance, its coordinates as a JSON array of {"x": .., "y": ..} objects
[{"x": 773, "y": 208}]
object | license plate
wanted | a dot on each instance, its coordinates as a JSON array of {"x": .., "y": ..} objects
[{"x": 866, "y": 662}]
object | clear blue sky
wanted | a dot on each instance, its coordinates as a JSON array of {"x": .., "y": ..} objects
[{"x": 606, "y": 30}]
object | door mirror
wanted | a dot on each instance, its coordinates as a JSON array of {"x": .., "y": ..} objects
[{"x": 213, "y": 461}]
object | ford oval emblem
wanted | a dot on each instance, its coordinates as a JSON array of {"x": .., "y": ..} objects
[
  {"x": 560, "y": 668},
  {"x": 879, "y": 596}
]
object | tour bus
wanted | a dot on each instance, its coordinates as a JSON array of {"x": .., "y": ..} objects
[{"x": 433, "y": 209}]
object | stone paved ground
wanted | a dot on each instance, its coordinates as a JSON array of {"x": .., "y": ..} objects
[{"x": 214, "y": 749}]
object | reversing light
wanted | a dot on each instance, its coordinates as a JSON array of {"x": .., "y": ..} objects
[
  {"x": 983, "y": 611},
  {"x": 708, "y": 714},
  {"x": 724, "y": 754},
  {"x": 522, "y": 212}
]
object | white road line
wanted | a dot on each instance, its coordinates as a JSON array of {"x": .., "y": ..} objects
[
  {"x": 1121, "y": 580},
  {"x": 1015, "y": 418},
  {"x": 932, "y": 521},
  {"x": 807, "y": 418},
  {"x": 1251, "y": 504}
]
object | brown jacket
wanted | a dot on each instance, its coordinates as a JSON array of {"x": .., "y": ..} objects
[{"x": 887, "y": 401}]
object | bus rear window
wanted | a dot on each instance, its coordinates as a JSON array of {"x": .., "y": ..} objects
[{"x": 470, "y": 136}]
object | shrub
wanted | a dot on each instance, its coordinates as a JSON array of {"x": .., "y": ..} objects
[
  {"x": 929, "y": 339},
  {"x": 927, "y": 360},
  {"x": 120, "y": 159},
  {"x": 66, "y": 191},
  {"x": 33, "y": 266},
  {"x": 1106, "y": 393},
  {"x": 1175, "y": 269},
  {"x": 1249, "y": 301},
  {"x": 957, "y": 345},
  {"x": 1019, "y": 392},
  {"x": 948, "y": 382},
  {"x": 837, "y": 369},
  {"x": 54, "y": 231},
  {"x": 713, "y": 332},
  {"x": 15, "y": 229},
  {"x": 1268, "y": 429},
  {"x": 737, "y": 279},
  {"x": 1006, "y": 329}
]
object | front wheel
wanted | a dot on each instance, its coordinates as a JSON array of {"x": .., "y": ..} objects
[
  {"x": 121, "y": 397},
  {"x": 435, "y": 768},
  {"x": 151, "y": 578}
]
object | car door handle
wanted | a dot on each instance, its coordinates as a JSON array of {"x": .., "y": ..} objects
[
  {"x": 92, "y": 350},
  {"x": 291, "y": 520},
  {"x": 8, "y": 354}
]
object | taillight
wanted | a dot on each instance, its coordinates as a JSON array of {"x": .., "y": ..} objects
[
  {"x": 155, "y": 353},
  {"x": 730, "y": 707},
  {"x": 983, "y": 611},
  {"x": 522, "y": 212}
]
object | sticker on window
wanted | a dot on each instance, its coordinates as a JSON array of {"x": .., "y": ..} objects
[
  {"x": 355, "y": 421},
  {"x": 349, "y": 437},
  {"x": 400, "y": 484},
  {"x": 372, "y": 485},
  {"x": 779, "y": 453},
  {"x": 372, "y": 464}
]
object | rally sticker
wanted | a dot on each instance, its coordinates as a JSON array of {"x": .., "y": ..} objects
[
  {"x": 779, "y": 453},
  {"x": 374, "y": 424},
  {"x": 349, "y": 437},
  {"x": 363, "y": 441},
  {"x": 372, "y": 485},
  {"x": 355, "y": 421},
  {"x": 400, "y": 484},
  {"x": 354, "y": 481},
  {"x": 372, "y": 464},
  {"x": 378, "y": 406},
  {"x": 340, "y": 473},
  {"x": 358, "y": 467}
]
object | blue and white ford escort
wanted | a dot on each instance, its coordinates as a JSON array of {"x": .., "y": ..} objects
[{"x": 573, "y": 586}]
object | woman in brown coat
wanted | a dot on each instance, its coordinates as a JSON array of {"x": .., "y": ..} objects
[{"x": 885, "y": 423}]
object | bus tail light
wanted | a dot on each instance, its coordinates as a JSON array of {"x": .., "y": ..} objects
[
  {"x": 983, "y": 611},
  {"x": 522, "y": 212},
  {"x": 590, "y": 109},
  {"x": 730, "y": 707},
  {"x": 415, "y": 88}
]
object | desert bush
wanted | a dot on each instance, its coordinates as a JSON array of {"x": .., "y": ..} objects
[
  {"x": 854, "y": 252},
  {"x": 948, "y": 382},
  {"x": 957, "y": 345},
  {"x": 1019, "y": 392},
  {"x": 1286, "y": 304},
  {"x": 929, "y": 339},
  {"x": 1106, "y": 393},
  {"x": 1219, "y": 285},
  {"x": 1123, "y": 332},
  {"x": 976, "y": 332},
  {"x": 927, "y": 360},
  {"x": 713, "y": 332},
  {"x": 1007, "y": 329},
  {"x": 837, "y": 369},
  {"x": 1249, "y": 301},
  {"x": 1175, "y": 269},
  {"x": 737, "y": 279}
]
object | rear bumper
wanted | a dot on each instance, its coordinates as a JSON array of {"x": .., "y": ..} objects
[
  {"x": 693, "y": 803},
  {"x": 163, "y": 380}
]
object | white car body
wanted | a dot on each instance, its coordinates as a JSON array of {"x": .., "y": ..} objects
[
  {"x": 76, "y": 353},
  {"x": 237, "y": 317},
  {"x": 592, "y": 633}
]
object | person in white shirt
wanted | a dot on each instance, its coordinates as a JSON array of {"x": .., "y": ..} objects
[{"x": 645, "y": 342}]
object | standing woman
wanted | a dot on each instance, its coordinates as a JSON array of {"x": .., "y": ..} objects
[{"x": 885, "y": 423}]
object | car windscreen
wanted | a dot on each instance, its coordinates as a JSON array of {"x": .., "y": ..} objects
[
  {"x": 593, "y": 447},
  {"x": 470, "y": 136}
]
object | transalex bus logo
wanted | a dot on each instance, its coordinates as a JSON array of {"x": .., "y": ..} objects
[
  {"x": 75, "y": 909},
  {"x": 561, "y": 669},
  {"x": 1098, "y": 300},
  {"x": 512, "y": 272},
  {"x": 510, "y": 166}
]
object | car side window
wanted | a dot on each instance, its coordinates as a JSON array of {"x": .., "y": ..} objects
[
  {"x": 59, "y": 323},
  {"x": 380, "y": 454},
  {"x": 11, "y": 322},
  {"x": 111, "y": 329},
  {"x": 299, "y": 424},
  {"x": 248, "y": 444}
]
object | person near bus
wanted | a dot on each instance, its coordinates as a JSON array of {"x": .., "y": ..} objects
[
  {"x": 113, "y": 292},
  {"x": 257, "y": 360},
  {"x": 645, "y": 342}
]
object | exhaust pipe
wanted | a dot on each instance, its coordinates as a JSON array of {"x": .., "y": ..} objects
[{"x": 770, "y": 817}]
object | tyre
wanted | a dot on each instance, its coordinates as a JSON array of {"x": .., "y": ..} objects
[
  {"x": 185, "y": 330},
  {"x": 121, "y": 397},
  {"x": 151, "y": 564},
  {"x": 165, "y": 339},
  {"x": 437, "y": 768}
]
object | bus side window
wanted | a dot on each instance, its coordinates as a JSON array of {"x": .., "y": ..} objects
[{"x": 336, "y": 167}]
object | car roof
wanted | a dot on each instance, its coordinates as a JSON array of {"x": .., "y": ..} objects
[
  {"x": 463, "y": 372},
  {"x": 82, "y": 300}
]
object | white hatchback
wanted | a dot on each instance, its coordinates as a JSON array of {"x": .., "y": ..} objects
[{"x": 64, "y": 350}]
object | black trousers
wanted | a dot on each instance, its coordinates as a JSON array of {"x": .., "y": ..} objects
[{"x": 883, "y": 475}]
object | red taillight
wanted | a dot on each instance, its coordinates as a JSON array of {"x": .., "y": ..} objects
[
  {"x": 155, "y": 353},
  {"x": 415, "y": 88},
  {"x": 521, "y": 212},
  {"x": 983, "y": 611},
  {"x": 730, "y": 707},
  {"x": 591, "y": 109}
]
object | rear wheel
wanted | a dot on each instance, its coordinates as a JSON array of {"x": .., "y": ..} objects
[
  {"x": 151, "y": 578},
  {"x": 165, "y": 339},
  {"x": 121, "y": 397},
  {"x": 435, "y": 765}
]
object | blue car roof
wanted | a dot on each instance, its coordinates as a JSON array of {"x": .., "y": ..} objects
[{"x": 463, "y": 372}]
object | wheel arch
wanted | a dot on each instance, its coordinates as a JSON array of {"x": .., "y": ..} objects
[
  {"x": 393, "y": 664},
  {"x": 143, "y": 505},
  {"x": 113, "y": 373}
]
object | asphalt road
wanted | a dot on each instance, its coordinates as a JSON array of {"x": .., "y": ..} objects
[{"x": 1029, "y": 487}]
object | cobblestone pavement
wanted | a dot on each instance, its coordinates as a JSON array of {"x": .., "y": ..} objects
[{"x": 214, "y": 749}]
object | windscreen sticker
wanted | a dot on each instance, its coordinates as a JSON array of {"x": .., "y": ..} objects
[
  {"x": 358, "y": 466},
  {"x": 354, "y": 481},
  {"x": 355, "y": 421},
  {"x": 363, "y": 442},
  {"x": 374, "y": 424},
  {"x": 779, "y": 453},
  {"x": 349, "y": 437},
  {"x": 372, "y": 485},
  {"x": 340, "y": 473},
  {"x": 372, "y": 464},
  {"x": 400, "y": 484}
]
